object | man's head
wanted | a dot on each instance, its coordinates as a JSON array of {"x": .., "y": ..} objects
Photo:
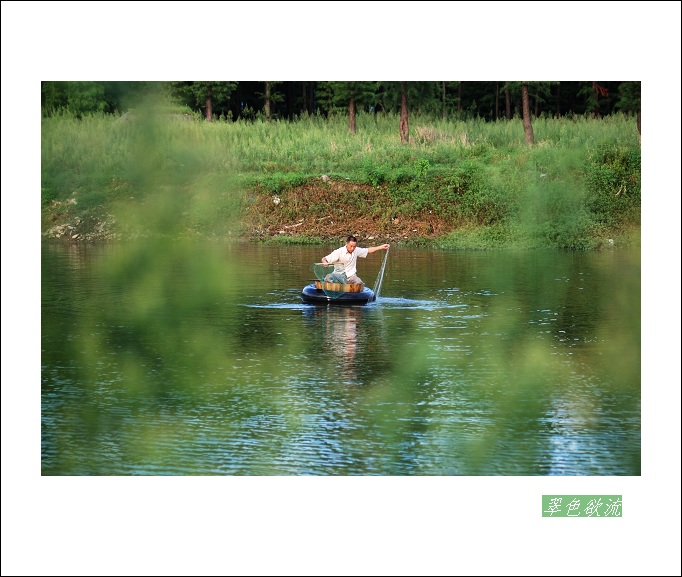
[{"x": 351, "y": 243}]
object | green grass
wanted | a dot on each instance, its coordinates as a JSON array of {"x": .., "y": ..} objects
[{"x": 578, "y": 185}]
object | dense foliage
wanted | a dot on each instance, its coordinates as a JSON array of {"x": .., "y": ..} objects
[{"x": 222, "y": 100}]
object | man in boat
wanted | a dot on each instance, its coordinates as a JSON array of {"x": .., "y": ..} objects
[{"x": 346, "y": 258}]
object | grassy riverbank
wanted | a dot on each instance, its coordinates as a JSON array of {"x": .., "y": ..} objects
[{"x": 465, "y": 185}]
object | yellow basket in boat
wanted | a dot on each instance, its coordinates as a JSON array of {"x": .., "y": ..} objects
[{"x": 339, "y": 287}]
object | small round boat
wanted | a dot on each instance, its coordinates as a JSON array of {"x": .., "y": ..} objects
[{"x": 320, "y": 292}]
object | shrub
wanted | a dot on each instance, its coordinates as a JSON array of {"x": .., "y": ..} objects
[{"x": 613, "y": 183}]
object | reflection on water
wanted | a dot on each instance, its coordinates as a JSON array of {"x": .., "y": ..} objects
[
  {"x": 339, "y": 329},
  {"x": 201, "y": 359}
]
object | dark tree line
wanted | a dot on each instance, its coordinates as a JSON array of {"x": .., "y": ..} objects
[{"x": 223, "y": 100}]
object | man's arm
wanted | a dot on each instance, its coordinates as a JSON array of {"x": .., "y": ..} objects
[
  {"x": 372, "y": 249},
  {"x": 330, "y": 258}
]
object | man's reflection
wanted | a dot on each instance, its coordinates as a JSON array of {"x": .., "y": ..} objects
[
  {"x": 342, "y": 337},
  {"x": 340, "y": 329},
  {"x": 350, "y": 338}
]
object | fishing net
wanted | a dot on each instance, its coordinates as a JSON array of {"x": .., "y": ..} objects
[{"x": 331, "y": 279}]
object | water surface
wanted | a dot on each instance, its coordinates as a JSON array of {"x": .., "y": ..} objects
[{"x": 201, "y": 359}]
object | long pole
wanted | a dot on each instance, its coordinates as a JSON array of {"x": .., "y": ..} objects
[{"x": 380, "y": 278}]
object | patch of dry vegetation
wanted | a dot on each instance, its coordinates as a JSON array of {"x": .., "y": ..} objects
[{"x": 333, "y": 209}]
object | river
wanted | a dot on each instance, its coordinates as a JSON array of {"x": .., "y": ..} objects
[{"x": 200, "y": 358}]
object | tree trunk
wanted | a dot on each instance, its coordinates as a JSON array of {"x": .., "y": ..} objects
[
  {"x": 404, "y": 128},
  {"x": 527, "y": 126},
  {"x": 597, "y": 112},
  {"x": 443, "y": 86},
  {"x": 209, "y": 106},
  {"x": 459, "y": 97},
  {"x": 351, "y": 115},
  {"x": 235, "y": 108},
  {"x": 507, "y": 104},
  {"x": 267, "y": 101},
  {"x": 497, "y": 100},
  {"x": 290, "y": 100},
  {"x": 639, "y": 122},
  {"x": 558, "y": 100}
]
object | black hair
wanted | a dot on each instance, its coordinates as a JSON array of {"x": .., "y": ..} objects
[{"x": 351, "y": 238}]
